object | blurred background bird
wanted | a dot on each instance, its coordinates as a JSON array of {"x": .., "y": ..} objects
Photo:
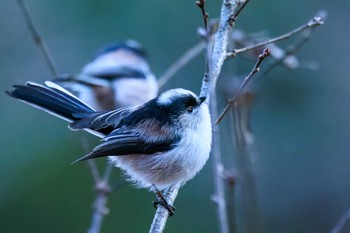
[{"x": 118, "y": 76}]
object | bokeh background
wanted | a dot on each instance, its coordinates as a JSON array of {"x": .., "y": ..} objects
[{"x": 300, "y": 119}]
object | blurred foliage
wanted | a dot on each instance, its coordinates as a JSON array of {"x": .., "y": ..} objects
[{"x": 300, "y": 119}]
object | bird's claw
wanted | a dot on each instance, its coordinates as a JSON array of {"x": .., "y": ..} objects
[{"x": 166, "y": 205}]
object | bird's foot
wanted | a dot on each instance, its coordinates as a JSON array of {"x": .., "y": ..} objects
[{"x": 165, "y": 204}]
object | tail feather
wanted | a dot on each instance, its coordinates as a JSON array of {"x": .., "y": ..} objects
[{"x": 51, "y": 98}]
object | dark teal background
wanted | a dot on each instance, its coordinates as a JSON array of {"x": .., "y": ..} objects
[{"x": 300, "y": 119}]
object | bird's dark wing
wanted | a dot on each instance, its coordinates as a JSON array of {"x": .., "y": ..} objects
[
  {"x": 119, "y": 72},
  {"x": 130, "y": 142},
  {"x": 101, "y": 120},
  {"x": 84, "y": 79}
]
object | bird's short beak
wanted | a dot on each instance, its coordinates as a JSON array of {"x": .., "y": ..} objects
[{"x": 202, "y": 99}]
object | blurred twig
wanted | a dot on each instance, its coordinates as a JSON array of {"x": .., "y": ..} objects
[
  {"x": 288, "y": 52},
  {"x": 102, "y": 189},
  {"x": 181, "y": 62},
  {"x": 39, "y": 41},
  {"x": 316, "y": 21},
  {"x": 196, "y": 49},
  {"x": 230, "y": 183},
  {"x": 341, "y": 223},
  {"x": 246, "y": 80},
  {"x": 102, "y": 186},
  {"x": 218, "y": 170},
  {"x": 94, "y": 170},
  {"x": 250, "y": 221}
]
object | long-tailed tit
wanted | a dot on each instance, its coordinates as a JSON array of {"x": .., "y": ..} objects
[
  {"x": 119, "y": 76},
  {"x": 161, "y": 143}
]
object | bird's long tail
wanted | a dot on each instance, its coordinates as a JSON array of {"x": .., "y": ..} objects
[{"x": 53, "y": 99}]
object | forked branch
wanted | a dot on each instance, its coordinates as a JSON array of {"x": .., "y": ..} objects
[
  {"x": 316, "y": 21},
  {"x": 217, "y": 58},
  {"x": 246, "y": 80}
]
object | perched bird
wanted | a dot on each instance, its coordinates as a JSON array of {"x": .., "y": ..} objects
[
  {"x": 119, "y": 76},
  {"x": 159, "y": 144}
]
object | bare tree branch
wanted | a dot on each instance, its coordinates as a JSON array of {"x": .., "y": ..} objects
[
  {"x": 181, "y": 62},
  {"x": 316, "y": 21},
  {"x": 39, "y": 41},
  {"x": 230, "y": 183},
  {"x": 246, "y": 80},
  {"x": 215, "y": 60},
  {"x": 162, "y": 214}
]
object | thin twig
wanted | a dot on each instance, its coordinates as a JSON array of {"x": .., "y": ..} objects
[
  {"x": 162, "y": 214},
  {"x": 205, "y": 35},
  {"x": 230, "y": 183},
  {"x": 246, "y": 80},
  {"x": 201, "y": 5},
  {"x": 102, "y": 189},
  {"x": 341, "y": 223},
  {"x": 100, "y": 210},
  {"x": 92, "y": 163},
  {"x": 94, "y": 170},
  {"x": 181, "y": 62},
  {"x": 39, "y": 41},
  {"x": 218, "y": 167},
  {"x": 233, "y": 17},
  {"x": 289, "y": 51},
  {"x": 316, "y": 21},
  {"x": 108, "y": 173}
]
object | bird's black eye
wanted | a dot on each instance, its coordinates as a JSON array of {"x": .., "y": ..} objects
[{"x": 190, "y": 109}]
